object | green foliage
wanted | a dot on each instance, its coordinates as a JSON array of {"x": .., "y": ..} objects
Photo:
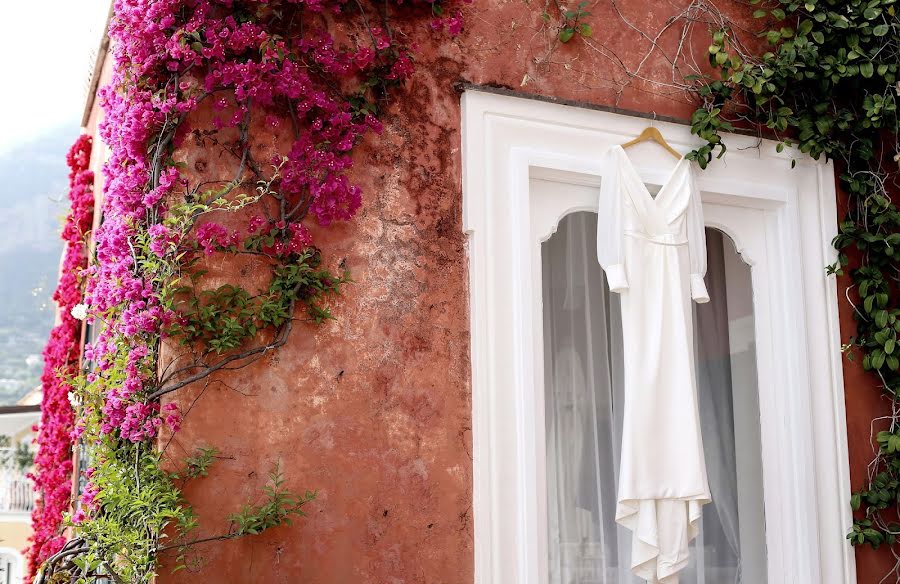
[
  {"x": 222, "y": 318},
  {"x": 136, "y": 500},
  {"x": 227, "y": 317},
  {"x": 19, "y": 456},
  {"x": 572, "y": 22},
  {"x": 828, "y": 85},
  {"x": 278, "y": 508},
  {"x": 198, "y": 465}
]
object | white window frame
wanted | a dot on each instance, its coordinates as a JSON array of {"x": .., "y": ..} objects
[
  {"x": 17, "y": 565},
  {"x": 770, "y": 211}
]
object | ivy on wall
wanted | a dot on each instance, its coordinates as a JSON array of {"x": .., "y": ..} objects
[
  {"x": 280, "y": 92},
  {"x": 821, "y": 76},
  {"x": 828, "y": 85}
]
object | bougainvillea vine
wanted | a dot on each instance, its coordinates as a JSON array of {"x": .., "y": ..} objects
[
  {"x": 52, "y": 474},
  {"x": 284, "y": 90}
]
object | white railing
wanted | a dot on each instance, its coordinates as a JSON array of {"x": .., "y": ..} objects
[
  {"x": 16, "y": 490},
  {"x": 16, "y": 493}
]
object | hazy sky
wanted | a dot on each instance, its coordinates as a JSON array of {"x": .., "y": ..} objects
[{"x": 45, "y": 60}]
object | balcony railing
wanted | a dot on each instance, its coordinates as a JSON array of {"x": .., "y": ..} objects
[{"x": 16, "y": 490}]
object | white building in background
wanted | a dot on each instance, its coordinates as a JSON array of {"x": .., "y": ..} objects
[{"x": 16, "y": 491}]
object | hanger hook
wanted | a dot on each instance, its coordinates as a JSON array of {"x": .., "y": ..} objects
[{"x": 652, "y": 121}]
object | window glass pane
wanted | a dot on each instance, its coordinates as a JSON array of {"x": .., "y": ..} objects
[{"x": 583, "y": 397}]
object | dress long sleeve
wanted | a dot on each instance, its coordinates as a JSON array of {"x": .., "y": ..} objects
[
  {"x": 610, "y": 229},
  {"x": 696, "y": 236}
]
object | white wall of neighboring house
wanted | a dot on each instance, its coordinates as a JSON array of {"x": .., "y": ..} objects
[{"x": 16, "y": 491}]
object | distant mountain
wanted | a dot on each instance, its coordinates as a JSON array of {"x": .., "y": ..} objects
[{"x": 33, "y": 203}]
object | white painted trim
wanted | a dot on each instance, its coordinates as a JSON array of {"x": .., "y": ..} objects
[
  {"x": 15, "y": 517},
  {"x": 771, "y": 212},
  {"x": 18, "y": 564}
]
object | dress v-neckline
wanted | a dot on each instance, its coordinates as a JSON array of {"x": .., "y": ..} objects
[{"x": 669, "y": 179}]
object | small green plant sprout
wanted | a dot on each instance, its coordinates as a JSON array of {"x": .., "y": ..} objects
[
  {"x": 572, "y": 22},
  {"x": 197, "y": 466},
  {"x": 279, "y": 508}
]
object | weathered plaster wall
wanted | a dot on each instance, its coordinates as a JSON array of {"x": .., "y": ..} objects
[{"x": 373, "y": 409}]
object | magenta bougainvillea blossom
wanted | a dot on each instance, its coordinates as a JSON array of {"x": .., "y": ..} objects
[
  {"x": 245, "y": 64},
  {"x": 53, "y": 463},
  {"x": 240, "y": 64}
]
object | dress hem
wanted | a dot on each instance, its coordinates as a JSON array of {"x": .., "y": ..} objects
[{"x": 648, "y": 561}]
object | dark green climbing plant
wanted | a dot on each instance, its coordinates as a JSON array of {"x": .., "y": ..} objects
[{"x": 827, "y": 84}]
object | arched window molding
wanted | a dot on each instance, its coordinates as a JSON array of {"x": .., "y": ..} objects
[
  {"x": 782, "y": 221},
  {"x": 12, "y": 559}
]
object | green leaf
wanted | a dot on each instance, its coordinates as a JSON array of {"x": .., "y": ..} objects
[
  {"x": 759, "y": 13},
  {"x": 892, "y": 362},
  {"x": 585, "y": 30},
  {"x": 566, "y": 34},
  {"x": 881, "y": 30}
]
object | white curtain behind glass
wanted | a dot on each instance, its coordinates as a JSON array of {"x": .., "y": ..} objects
[{"x": 583, "y": 384}]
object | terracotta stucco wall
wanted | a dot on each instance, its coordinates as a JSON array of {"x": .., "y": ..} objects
[
  {"x": 373, "y": 410},
  {"x": 864, "y": 403}
]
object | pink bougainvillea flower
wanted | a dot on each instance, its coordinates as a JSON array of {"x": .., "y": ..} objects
[
  {"x": 168, "y": 57},
  {"x": 52, "y": 474}
]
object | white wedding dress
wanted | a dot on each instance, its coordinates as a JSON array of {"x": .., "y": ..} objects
[{"x": 654, "y": 253}]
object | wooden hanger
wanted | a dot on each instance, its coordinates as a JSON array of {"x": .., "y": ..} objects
[{"x": 651, "y": 134}]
